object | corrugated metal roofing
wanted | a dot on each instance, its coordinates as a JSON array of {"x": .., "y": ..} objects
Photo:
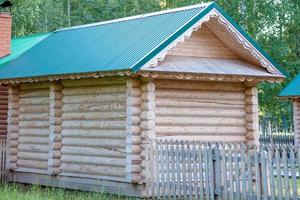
[
  {"x": 293, "y": 89},
  {"x": 23, "y": 44},
  {"x": 187, "y": 64},
  {"x": 109, "y": 46}
]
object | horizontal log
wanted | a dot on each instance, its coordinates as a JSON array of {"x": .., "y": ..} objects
[
  {"x": 94, "y": 160},
  {"x": 35, "y": 101},
  {"x": 95, "y": 90},
  {"x": 94, "y": 116},
  {"x": 199, "y": 112},
  {"x": 191, "y": 94},
  {"x": 209, "y": 138},
  {"x": 34, "y": 86},
  {"x": 33, "y": 140},
  {"x": 197, "y": 85},
  {"x": 33, "y": 156},
  {"x": 202, "y": 130},
  {"x": 34, "y": 116},
  {"x": 104, "y": 98},
  {"x": 90, "y": 82},
  {"x": 34, "y": 132},
  {"x": 94, "y": 107},
  {"x": 199, "y": 103},
  {"x": 199, "y": 121},
  {"x": 95, "y": 151},
  {"x": 32, "y": 164},
  {"x": 34, "y": 124},
  {"x": 85, "y": 142},
  {"x": 34, "y": 108},
  {"x": 33, "y": 148},
  {"x": 115, "y": 124},
  {"x": 34, "y": 94},
  {"x": 70, "y": 169},
  {"x": 75, "y": 133}
]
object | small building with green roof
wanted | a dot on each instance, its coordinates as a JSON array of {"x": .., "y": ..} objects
[
  {"x": 85, "y": 101},
  {"x": 292, "y": 91}
]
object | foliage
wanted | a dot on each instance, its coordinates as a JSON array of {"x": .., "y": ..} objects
[
  {"x": 23, "y": 192},
  {"x": 275, "y": 24}
]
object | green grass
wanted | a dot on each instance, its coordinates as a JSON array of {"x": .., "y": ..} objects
[{"x": 33, "y": 192}]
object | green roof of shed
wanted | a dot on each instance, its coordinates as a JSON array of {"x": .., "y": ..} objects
[
  {"x": 23, "y": 44},
  {"x": 118, "y": 45},
  {"x": 293, "y": 89}
]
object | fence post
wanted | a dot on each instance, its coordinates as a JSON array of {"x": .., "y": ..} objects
[{"x": 217, "y": 172}]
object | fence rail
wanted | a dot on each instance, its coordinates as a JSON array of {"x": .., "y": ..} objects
[
  {"x": 192, "y": 170},
  {"x": 3, "y": 171}
]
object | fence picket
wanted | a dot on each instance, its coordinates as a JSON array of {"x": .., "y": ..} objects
[
  {"x": 200, "y": 169},
  {"x": 178, "y": 174},
  {"x": 271, "y": 173},
  {"x": 249, "y": 171},
  {"x": 257, "y": 174},
  {"x": 231, "y": 187},
  {"x": 224, "y": 174},
  {"x": 243, "y": 173},
  {"x": 264, "y": 174},
  {"x": 286, "y": 174},
  {"x": 206, "y": 175},
  {"x": 293, "y": 173}
]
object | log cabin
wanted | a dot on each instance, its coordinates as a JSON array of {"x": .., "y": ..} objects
[
  {"x": 84, "y": 101},
  {"x": 9, "y": 50},
  {"x": 292, "y": 91}
]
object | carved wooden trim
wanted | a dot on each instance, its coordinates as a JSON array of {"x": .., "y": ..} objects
[
  {"x": 133, "y": 132},
  {"x": 66, "y": 77},
  {"x": 55, "y": 128},
  {"x": 13, "y": 126},
  {"x": 206, "y": 77},
  {"x": 251, "y": 118}
]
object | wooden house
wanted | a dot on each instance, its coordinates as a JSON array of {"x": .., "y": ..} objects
[
  {"x": 292, "y": 91},
  {"x": 84, "y": 102}
]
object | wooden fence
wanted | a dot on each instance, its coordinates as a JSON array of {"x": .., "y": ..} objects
[
  {"x": 192, "y": 170},
  {"x": 3, "y": 159}
]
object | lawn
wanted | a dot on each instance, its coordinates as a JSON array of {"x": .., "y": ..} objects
[{"x": 22, "y": 192}]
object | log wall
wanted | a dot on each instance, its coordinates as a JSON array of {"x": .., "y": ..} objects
[
  {"x": 3, "y": 110},
  {"x": 296, "y": 106},
  {"x": 94, "y": 129},
  {"x": 33, "y": 125},
  {"x": 203, "y": 43},
  {"x": 208, "y": 111}
]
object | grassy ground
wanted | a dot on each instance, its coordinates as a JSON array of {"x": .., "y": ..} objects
[{"x": 21, "y": 192}]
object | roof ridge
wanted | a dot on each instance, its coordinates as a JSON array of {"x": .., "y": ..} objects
[{"x": 137, "y": 16}]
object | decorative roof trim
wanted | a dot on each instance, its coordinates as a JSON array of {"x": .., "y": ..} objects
[
  {"x": 202, "y": 5},
  {"x": 213, "y": 12},
  {"x": 66, "y": 77},
  {"x": 206, "y": 77}
]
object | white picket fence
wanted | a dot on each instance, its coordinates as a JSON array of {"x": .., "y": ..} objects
[{"x": 193, "y": 170}]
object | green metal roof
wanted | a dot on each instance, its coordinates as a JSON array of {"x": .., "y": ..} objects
[
  {"x": 21, "y": 45},
  {"x": 125, "y": 44},
  {"x": 293, "y": 89}
]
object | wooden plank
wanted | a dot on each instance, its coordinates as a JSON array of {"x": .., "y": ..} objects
[
  {"x": 292, "y": 152},
  {"x": 200, "y": 172},
  {"x": 206, "y": 173},
  {"x": 286, "y": 173},
  {"x": 278, "y": 173},
  {"x": 237, "y": 173},
  {"x": 243, "y": 173},
  {"x": 231, "y": 183},
  {"x": 224, "y": 172},
  {"x": 271, "y": 172},
  {"x": 178, "y": 169},
  {"x": 257, "y": 174},
  {"x": 264, "y": 174}
]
